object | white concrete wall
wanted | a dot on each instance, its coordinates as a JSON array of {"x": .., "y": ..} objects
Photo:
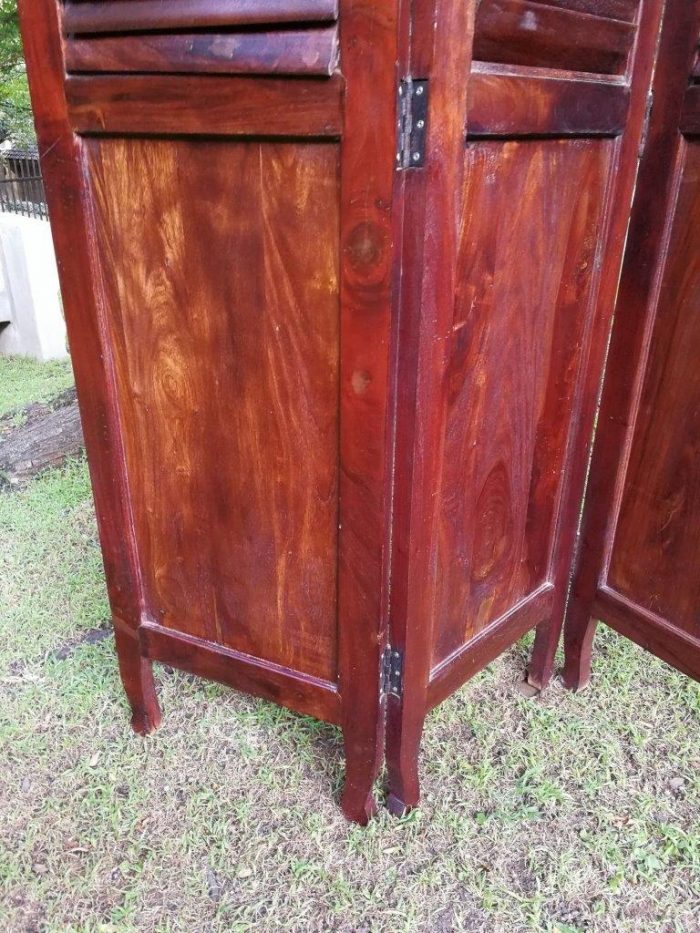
[{"x": 30, "y": 298}]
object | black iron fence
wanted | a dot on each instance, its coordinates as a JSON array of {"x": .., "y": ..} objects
[{"x": 21, "y": 186}]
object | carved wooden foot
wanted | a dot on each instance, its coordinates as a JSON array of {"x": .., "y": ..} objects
[
  {"x": 579, "y": 633},
  {"x": 137, "y": 677},
  {"x": 404, "y": 733},
  {"x": 541, "y": 666}
]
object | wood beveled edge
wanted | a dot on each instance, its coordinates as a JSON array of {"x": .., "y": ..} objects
[
  {"x": 208, "y": 105},
  {"x": 295, "y": 690},
  {"x": 469, "y": 659},
  {"x": 508, "y": 104},
  {"x": 648, "y": 630}
]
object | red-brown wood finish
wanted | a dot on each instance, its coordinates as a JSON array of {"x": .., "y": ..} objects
[
  {"x": 226, "y": 254},
  {"x": 640, "y": 539},
  {"x": 520, "y": 243},
  {"x": 332, "y": 405}
]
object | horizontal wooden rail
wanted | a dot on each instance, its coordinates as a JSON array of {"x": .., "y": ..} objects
[
  {"x": 205, "y": 104},
  {"x": 282, "y": 52},
  {"x": 522, "y": 32},
  {"x": 513, "y": 105},
  {"x": 138, "y": 15},
  {"x": 293, "y": 689},
  {"x": 649, "y": 630},
  {"x": 469, "y": 659}
]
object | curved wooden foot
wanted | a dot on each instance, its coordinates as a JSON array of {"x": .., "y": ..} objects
[
  {"x": 356, "y": 807},
  {"x": 579, "y": 633},
  {"x": 404, "y": 734},
  {"x": 541, "y": 666},
  {"x": 137, "y": 678},
  {"x": 363, "y": 755}
]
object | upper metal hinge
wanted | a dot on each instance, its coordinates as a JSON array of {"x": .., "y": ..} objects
[
  {"x": 392, "y": 672},
  {"x": 412, "y": 123}
]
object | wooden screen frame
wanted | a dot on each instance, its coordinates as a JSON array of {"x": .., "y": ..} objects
[
  {"x": 428, "y": 285},
  {"x": 673, "y": 117},
  {"x": 335, "y": 109}
]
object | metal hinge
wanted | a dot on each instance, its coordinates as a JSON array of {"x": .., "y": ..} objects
[
  {"x": 645, "y": 125},
  {"x": 391, "y": 683},
  {"x": 412, "y": 123}
]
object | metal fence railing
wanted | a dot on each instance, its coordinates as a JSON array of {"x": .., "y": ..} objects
[{"x": 21, "y": 185}]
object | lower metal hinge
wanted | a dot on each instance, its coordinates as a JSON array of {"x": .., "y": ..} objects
[
  {"x": 392, "y": 672},
  {"x": 412, "y": 123}
]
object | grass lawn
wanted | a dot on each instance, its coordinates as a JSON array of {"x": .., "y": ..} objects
[{"x": 563, "y": 813}]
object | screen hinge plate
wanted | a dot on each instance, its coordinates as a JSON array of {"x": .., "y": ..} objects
[
  {"x": 392, "y": 672},
  {"x": 412, "y": 123}
]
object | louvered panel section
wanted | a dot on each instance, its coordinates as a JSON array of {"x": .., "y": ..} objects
[
  {"x": 81, "y": 16},
  {"x": 573, "y": 35},
  {"x": 237, "y": 37}
]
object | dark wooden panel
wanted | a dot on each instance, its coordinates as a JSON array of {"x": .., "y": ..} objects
[
  {"x": 530, "y": 227},
  {"x": 509, "y": 105},
  {"x": 204, "y": 104},
  {"x": 135, "y": 15},
  {"x": 299, "y": 692},
  {"x": 522, "y": 32},
  {"x": 220, "y": 266},
  {"x": 656, "y": 551},
  {"x": 288, "y": 52}
]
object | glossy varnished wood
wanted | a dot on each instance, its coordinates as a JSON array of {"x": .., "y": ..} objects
[
  {"x": 280, "y": 52},
  {"x": 525, "y": 32},
  {"x": 505, "y": 101},
  {"x": 204, "y": 105},
  {"x": 227, "y": 253}
]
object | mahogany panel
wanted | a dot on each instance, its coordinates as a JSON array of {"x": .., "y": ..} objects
[
  {"x": 220, "y": 264},
  {"x": 530, "y": 225},
  {"x": 204, "y": 104},
  {"x": 503, "y": 104},
  {"x": 136, "y": 15},
  {"x": 302, "y": 693},
  {"x": 656, "y": 550},
  {"x": 282, "y": 52},
  {"x": 524, "y": 32}
]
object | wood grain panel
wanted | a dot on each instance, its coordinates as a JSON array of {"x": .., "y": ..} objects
[
  {"x": 282, "y": 52},
  {"x": 529, "y": 231},
  {"x": 656, "y": 550},
  {"x": 625, "y": 10},
  {"x": 204, "y": 104},
  {"x": 510, "y": 105},
  {"x": 136, "y": 15},
  {"x": 690, "y": 117},
  {"x": 521, "y": 32},
  {"x": 221, "y": 273}
]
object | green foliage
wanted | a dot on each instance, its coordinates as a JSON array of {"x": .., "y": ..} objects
[{"x": 15, "y": 108}]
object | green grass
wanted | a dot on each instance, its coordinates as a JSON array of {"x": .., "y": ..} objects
[
  {"x": 23, "y": 381},
  {"x": 564, "y": 813}
]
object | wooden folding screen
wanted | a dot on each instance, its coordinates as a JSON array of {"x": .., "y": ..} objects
[
  {"x": 640, "y": 556},
  {"x": 338, "y": 329}
]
